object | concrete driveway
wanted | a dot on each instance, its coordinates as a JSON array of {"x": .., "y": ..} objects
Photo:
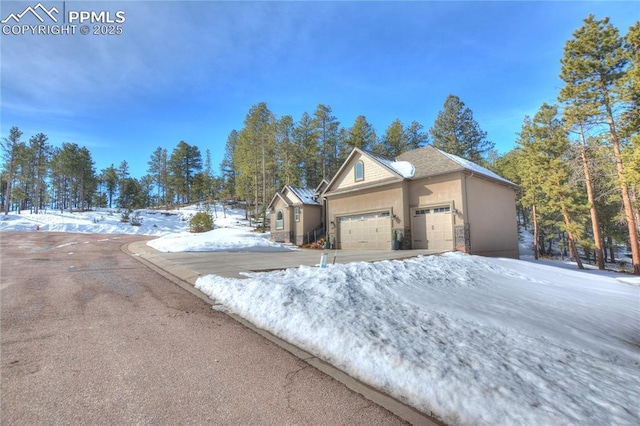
[{"x": 188, "y": 266}]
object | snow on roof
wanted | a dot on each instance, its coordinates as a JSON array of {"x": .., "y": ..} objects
[
  {"x": 473, "y": 167},
  {"x": 306, "y": 195},
  {"x": 403, "y": 168}
]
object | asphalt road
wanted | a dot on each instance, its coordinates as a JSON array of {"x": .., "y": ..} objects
[{"x": 89, "y": 335}]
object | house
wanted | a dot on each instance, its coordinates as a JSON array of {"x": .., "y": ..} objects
[
  {"x": 297, "y": 214},
  {"x": 426, "y": 199}
]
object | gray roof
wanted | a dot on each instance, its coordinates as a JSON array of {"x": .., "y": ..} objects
[
  {"x": 394, "y": 165},
  {"x": 306, "y": 195},
  {"x": 430, "y": 161}
]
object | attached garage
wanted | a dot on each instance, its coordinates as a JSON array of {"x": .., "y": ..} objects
[
  {"x": 426, "y": 198},
  {"x": 365, "y": 231},
  {"x": 432, "y": 228}
]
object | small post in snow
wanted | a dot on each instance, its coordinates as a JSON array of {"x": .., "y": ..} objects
[{"x": 323, "y": 260}]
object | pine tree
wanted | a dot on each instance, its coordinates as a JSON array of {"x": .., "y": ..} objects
[
  {"x": 185, "y": 162},
  {"x": 159, "y": 171},
  {"x": 631, "y": 118},
  {"x": 306, "y": 137},
  {"x": 530, "y": 178},
  {"x": 361, "y": 135},
  {"x": 327, "y": 128},
  {"x": 227, "y": 169},
  {"x": 593, "y": 70},
  {"x": 416, "y": 138},
  {"x": 39, "y": 153},
  {"x": 110, "y": 177},
  {"x": 394, "y": 142},
  {"x": 455, "y": 131},
  {"x": 11, "y": 147},
  {"x": 288, "y": 153},
  {"x": 74, "y": 175},
  {"x": 254, "y": 157},
  {"x": 545, "y": 145}
]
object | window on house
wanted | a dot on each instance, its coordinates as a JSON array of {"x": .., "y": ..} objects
[
  {"x": 279, "y": 220},
  {"x": 296, "y": 214},
  {"x": 359, "y": 171},
  {"x": 442, "y": 210}
]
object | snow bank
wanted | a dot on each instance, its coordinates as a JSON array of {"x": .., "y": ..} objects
[
  {"x": 473, "y": 340},
  {"x": 220, "y": 239}
]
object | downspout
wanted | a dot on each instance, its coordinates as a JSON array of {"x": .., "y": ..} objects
[{"x": 465, "y": 222}]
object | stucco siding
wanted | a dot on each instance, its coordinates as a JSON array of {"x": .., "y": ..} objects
[
  {"x": 310, "y": 219},
  {"x": 366, "y": 201},
  {"x": 491, "y": 211},
  {"x": 373, "y": 172},
  {"x": 444, "y": 190},
  {"x": 283, "y": 234}
]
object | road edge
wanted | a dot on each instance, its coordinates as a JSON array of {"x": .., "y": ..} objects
[{"x": 185, "y": 278}]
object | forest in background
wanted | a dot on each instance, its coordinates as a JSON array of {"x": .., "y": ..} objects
[{"x": 577, "y": 161}]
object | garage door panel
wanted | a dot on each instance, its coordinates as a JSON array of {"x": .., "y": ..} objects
[
  {"x": 432, "y": 228},
  {"x": 365, "y": 231}
]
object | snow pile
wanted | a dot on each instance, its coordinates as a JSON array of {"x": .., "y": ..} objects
[
  {"x": 221, "y": 239},
  {"x": 473, "y": 340},
  {"x": 101, "y": 221},
  {"x": 404, "y": 168}
]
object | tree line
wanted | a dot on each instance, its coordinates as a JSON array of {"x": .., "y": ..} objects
[
  {"x": 37, "y": 175},
  {"x": 577, "y": 161},
  {"x": 270, "y": 152}
]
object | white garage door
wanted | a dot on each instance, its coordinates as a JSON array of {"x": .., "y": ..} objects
[
  {"x": 432, "y": 228},
  {"x": 365, "y": 231}
]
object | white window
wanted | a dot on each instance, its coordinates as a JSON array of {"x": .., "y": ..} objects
[
  {"x": 359, "y": 171},
  {"x": 296, "y": 214},
  {"x": 280, "y": 220}
]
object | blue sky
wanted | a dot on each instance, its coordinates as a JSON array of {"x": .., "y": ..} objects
[{"x": 191, "y": 70}]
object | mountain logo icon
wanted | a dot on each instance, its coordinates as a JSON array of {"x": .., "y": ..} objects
[{"x": 38, "y": 11}]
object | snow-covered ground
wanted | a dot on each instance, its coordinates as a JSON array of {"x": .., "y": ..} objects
[{"x": 471, "y": 339}]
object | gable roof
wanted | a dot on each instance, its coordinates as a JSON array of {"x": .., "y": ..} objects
[
  {"x": 305, "y": 196},
  {"x": 401, "y": 169},
  {"x": 430, "y": 161},
  {"x": 322, "y": 186}
]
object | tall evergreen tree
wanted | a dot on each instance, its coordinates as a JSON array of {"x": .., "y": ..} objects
[
  {"x": 39, "y": 152},
  {"x": 74, "y": 176},
  {"x": 631, "y": 118},
  {"x": 456, "y": 131},
  {"x": 11, "y": 147},
  {"x": 549, "y": 149},
  {"x": 289, "y": 153},
  {"x": 159, "y": 171},
  {"x": 593, "y": 69},
  {"x": 227, "y": 168},
  {"x": 361, "y": 135},
  {"x": 253, "y": 156},
  {"x": 415, "y": 136},
  {"x": 185, "y": 162},
  {"x": 305, "y": 136},
  {"x": 110, "y": 177},
  {"x": 395, "y": 141},
  {"x": 327, "y": 128}
]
